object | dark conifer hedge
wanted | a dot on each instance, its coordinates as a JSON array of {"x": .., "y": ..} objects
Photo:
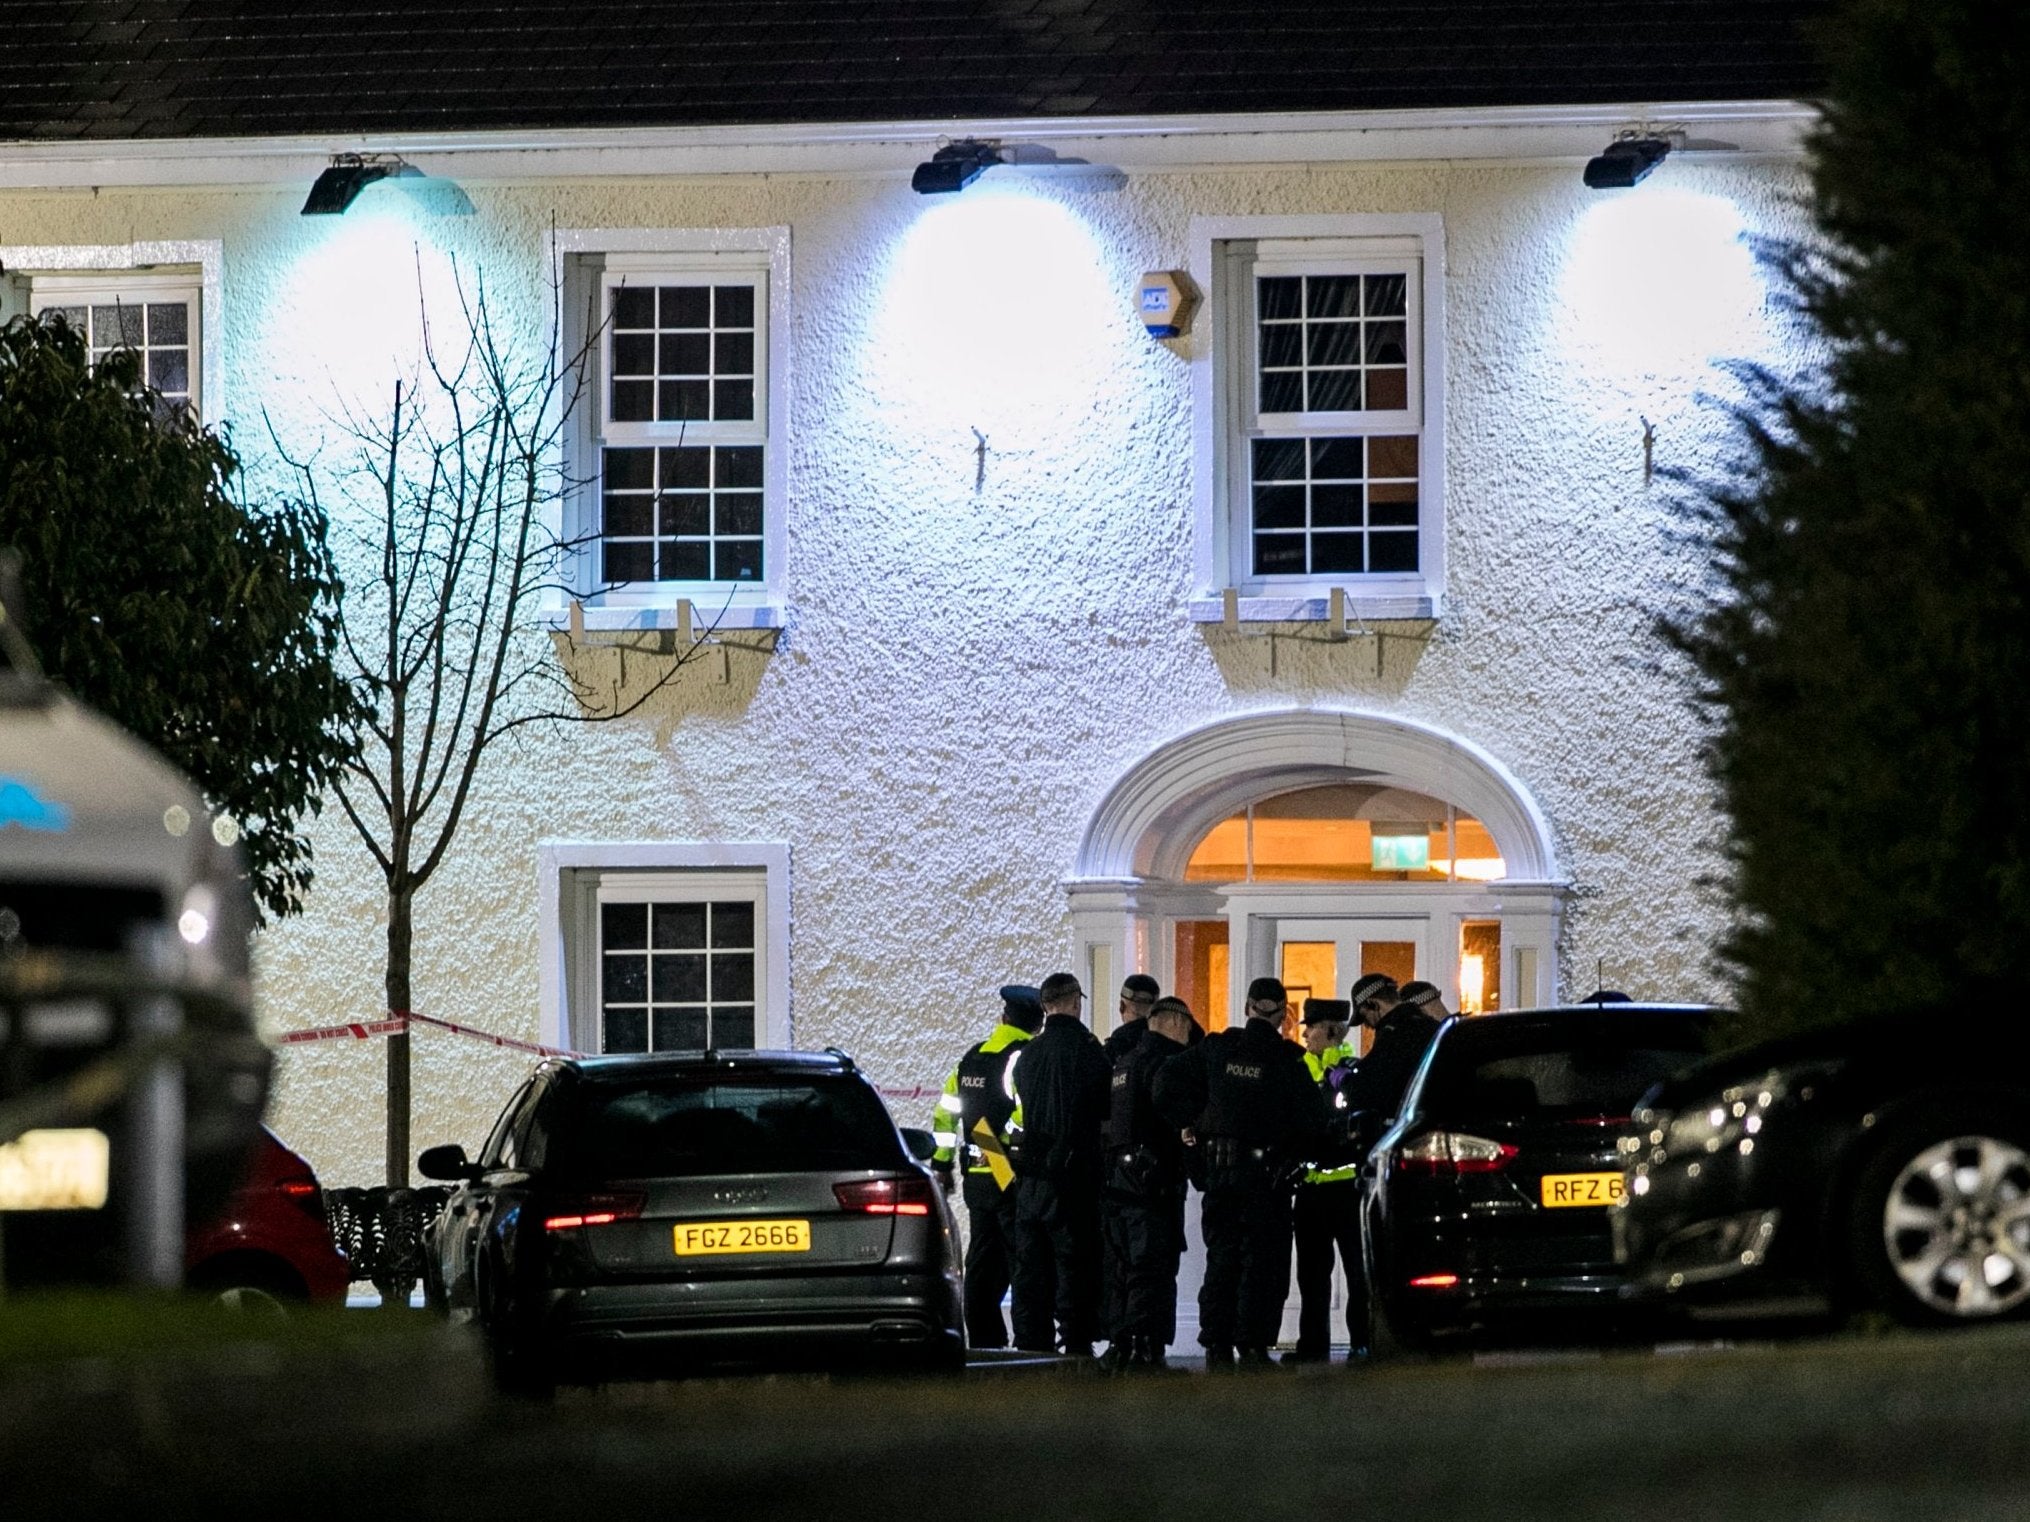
[{"x": 1867, "y": 657}]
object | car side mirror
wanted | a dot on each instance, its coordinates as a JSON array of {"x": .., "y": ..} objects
[
  {"x": 448, "y": 1162},
  {"x": 921, "y": 1144}
]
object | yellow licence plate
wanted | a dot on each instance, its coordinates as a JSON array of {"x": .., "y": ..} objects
[
  {"x": 1561, "y": 1190},
  {"x": 54, "y": 1170},
  {"x": 701, "y": 1239}
]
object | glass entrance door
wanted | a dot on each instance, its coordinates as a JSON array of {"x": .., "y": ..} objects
[{"x": 1321, "y": 958}]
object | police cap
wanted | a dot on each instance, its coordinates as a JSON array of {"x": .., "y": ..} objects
[
  {"x": 1373, "y": 985},
  {"x": 1140, "y": 987},
  {"x": 1316, "y": 1010},
  {"x": 1268, "y": 991},
  {"x": 1021, "y": 1006},
  {"x": 1418, "y": 992},
  {"x": 1059, "y": 985}
]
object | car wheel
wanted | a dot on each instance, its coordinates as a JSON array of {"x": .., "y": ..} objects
[
  {"x": 1939, "y": 1232},
  {"x": 520, "y": 1365},
  {"x": 252, "y": 1300},
  {"x": 248, "y": 1286},
  {"x": 1393, "y": 1334}
]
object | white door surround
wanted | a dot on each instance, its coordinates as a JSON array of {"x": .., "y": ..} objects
[{"x": 1127, "y": 888}]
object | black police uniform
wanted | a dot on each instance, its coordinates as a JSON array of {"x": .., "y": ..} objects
[
  {"x": 991, "y": 1237},
  {"x": 1122, "y": 1038},
  {"x": 1061, "y": 1089},
  {"x": 1326, "y": 1221},
  {"x": 1391, "y": 1062},
  {"x": 1249, "y": 1098},
  {"x": 1143, "y": 1208}
]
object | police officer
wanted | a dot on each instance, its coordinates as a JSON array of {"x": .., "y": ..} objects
[
  {"x": 1401, "y": 1033},
  {"x": 1139, "y": 992},
  {"x": 1143, "y": 1207},
  {"x": 1060, "y": 1080},
  {"x": 1250, "y": 1104},
  {"x": 977, "y": 1093},
  {"x": 1429, "y": 1001},
  {"x": 1326, "y": 1213}
]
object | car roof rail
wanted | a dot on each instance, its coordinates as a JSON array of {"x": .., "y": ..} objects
[{"x": 844, "y": 1061}]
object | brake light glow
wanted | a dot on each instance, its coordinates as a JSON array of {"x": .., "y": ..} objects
[
  {"x": 1435, "y": 1281},
  {"x": 886, "y": 1196},
  {"x": 596, "y": 1210},
  {"x": 1452, "y": 1153},
  {"x": 298, "y": 1189}
]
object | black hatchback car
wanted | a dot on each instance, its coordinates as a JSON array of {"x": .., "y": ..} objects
[
  {"x": 1485, "y": 1205},
  {"x": 1856, "y": 1167},
  {"x": 647, "y": 1214}
]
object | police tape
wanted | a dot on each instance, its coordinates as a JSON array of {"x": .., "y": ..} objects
[{"x": 360, "y": 1030}]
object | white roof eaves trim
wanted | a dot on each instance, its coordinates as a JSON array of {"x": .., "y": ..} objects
[{"x": 1152, "y": 143}]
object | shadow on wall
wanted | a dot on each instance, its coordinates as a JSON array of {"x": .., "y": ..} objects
[
  {"x": 1302, "y": 658},
  {"x": 718, "y": 681}
]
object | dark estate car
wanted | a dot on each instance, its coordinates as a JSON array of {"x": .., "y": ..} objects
[
  {"x": 1485, "y": 1204},
  {"x": 645, "y": 1214},
  {"x": 1858, "y": 1166}
]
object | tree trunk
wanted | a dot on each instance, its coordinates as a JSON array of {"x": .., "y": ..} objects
[{"x": 400, "y": 932}]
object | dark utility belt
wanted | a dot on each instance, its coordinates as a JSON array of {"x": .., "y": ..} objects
[
  {"x": 1231, "y": 1163},
  {"x": 1138, "y": 1170}
]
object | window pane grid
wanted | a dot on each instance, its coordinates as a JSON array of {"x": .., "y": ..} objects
[
  {"x": 158, "y": 331},
  {"x": 1345, "y": 506},
  {"x": 1332, "y": 343},
  {"x": 677, "y": 976},
  {"x": 689, "y": 513},
  {"x": 682, "y": 354}
]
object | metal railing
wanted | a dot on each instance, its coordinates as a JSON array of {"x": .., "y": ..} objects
[{"x": 380, "y": 1231}]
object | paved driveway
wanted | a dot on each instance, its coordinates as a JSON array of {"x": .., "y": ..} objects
[{"x": 1904, "y": 1427}]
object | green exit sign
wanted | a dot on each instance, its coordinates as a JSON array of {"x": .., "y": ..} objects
[{"x": 1402, "y": 853}]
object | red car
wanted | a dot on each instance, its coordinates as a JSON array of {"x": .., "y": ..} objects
[{"x": 271, "y": 1247}]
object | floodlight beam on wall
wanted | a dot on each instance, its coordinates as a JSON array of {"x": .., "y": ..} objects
[
  {"x": 1627, "y": 161},
  {"x": 955, "y": 166},
  {"x": 347, "y": 175}
]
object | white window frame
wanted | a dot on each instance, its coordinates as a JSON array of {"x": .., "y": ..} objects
[
  {"x": 1225, "y": 253},
  {"x": 135, "y": 272},
  {"x": 589, "y": 262},
  {"x": 575, "y": 878}
]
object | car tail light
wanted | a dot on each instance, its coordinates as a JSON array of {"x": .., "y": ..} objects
[
  {"x": 887, "y": 1196},
  {"x": 1452, "y": 1153},
  {"x": 1435, "y": 1281},
  {"x": 302, "y": 1192},
  {"x": 594, "y": 1210}
]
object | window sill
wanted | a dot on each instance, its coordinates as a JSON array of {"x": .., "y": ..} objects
[
  {"x": 707, "y": 612},
  {"x": 1300, "y": 608}
]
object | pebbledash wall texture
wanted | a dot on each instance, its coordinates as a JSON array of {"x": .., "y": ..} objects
[{"x": 978, "y": 645}]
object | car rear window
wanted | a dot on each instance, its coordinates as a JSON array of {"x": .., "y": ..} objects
[
  {"x": 675, "y": 1127},
  {"x": 1545, "y": 1075}
]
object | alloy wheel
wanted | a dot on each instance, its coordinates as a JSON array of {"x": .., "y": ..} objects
[{"x": 1956, "y": 1224}]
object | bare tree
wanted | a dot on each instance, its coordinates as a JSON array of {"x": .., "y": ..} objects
[{"x": 457, "y": 497}]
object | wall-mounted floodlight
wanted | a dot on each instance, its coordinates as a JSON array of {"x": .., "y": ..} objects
[
  {"x": 347, "y": 175},
  {"x": 955, "y": 166},
  {"x": 1626, "y": 161}
]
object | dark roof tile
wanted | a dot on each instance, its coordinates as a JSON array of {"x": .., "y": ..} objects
[{"x": 197, "y": 68}]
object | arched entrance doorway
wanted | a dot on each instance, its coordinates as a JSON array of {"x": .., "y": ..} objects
[{"x": 1315, "y": 845}]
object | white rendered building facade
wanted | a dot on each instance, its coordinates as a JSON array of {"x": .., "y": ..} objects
[{"x": 1314, "y": 640}]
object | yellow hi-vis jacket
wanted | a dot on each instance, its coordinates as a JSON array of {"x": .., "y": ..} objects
[
  {"x": 1321, "y": 1065},
  {"x": 955, "y": 1117}
]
